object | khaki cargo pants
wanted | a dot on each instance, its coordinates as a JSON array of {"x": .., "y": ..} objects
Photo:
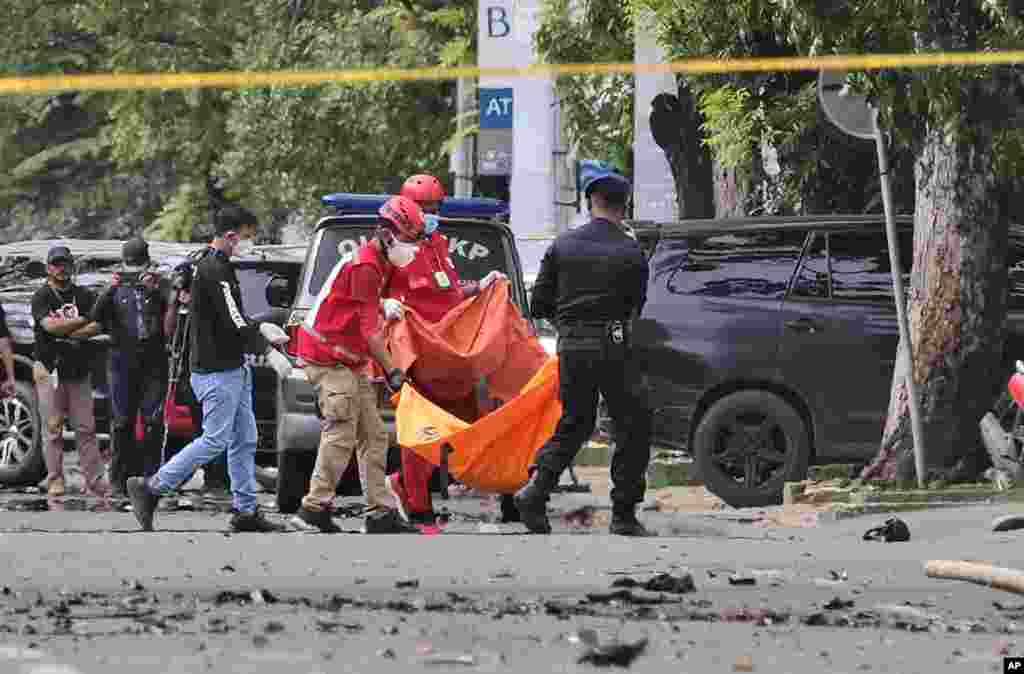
[{"x": 351, "y": 423}]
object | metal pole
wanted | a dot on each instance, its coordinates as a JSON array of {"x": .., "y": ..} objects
[
  {"x": 901, "y": 304},
  {"x": 460, "y": 158}
]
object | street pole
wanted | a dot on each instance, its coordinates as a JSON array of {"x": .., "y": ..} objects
[
  {"x": 461, "y": 162},
  {"x": 901, "y": 304}
]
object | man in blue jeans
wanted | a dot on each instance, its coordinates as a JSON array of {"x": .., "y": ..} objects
[{"x": 222, "y": 382}]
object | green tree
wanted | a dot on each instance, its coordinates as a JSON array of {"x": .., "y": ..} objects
[{"x": 275, "y": 149}]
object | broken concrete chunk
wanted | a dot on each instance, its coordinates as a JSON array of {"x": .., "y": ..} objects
[{"x": 617, "y": 654}]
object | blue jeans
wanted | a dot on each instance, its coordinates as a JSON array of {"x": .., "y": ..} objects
[{"x": 229, "y": 425}]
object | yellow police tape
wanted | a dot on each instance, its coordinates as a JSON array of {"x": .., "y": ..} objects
[{"x": 12, "y": 86}]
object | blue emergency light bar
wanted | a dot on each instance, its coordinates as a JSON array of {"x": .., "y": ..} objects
[{"x": 479, "y": 208}]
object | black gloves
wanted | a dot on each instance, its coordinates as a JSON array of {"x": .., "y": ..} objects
[{"x": 395, "y": 379}]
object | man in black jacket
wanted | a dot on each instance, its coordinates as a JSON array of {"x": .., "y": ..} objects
[
  {"x": 131, "y": 310},
  {"x": 593, "y": 282},
  {"x": 221, "y": 380}
]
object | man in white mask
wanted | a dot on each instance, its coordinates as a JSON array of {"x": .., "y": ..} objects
[
  {"x": 430, "y": 286},
  {"x": 222, "y": 381},
  {"x": 342, "y": 333}
]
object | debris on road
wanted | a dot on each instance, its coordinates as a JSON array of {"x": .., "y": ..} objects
[
  {"x": 627, "y": 596},
  {"x": 615, "y": 654},
  {"x": 386, "y": 653},
  {"x": 580, "y": 518},
  {"x": 587, "y": 637},
  {"x": 1008, "y": 523},
  {"x": 836, "y": 604},
  {"x": 894, "y": 530},
  {"x": 663, "y": 582},
  {"x": 408, "y": 583},
  {"x": 447, "y": 659},
  {"x": 759, "y": 616},
  {"x": 1010, "y": 580},
  {"x": 744, "y": 663},
  {"x": 742, "y": 579}
]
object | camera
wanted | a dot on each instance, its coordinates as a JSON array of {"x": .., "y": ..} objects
[{"x": 181, "y": 276}]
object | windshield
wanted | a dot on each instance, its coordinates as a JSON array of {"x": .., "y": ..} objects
[{"x": 475, "y": 250}]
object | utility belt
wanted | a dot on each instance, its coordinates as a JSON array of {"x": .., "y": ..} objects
[{"x": 618, "y": 333}]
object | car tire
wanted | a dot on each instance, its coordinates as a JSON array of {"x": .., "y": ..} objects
[
  {"x": 21, "y": 439},
  {"x": 293, "y": 472},
  {"x": 731, "y": 418}
]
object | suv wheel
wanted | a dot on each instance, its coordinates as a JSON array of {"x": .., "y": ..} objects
[
  {"x": 21, "y": 440},
  {"x": 748, "y": 445}
]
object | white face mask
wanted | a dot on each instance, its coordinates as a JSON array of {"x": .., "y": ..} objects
[
  {"x": 401, "y": 254},
  {"x": 243, "y": 247}
]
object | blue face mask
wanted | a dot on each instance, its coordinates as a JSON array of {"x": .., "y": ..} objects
[{"x": 430, "y": 223}]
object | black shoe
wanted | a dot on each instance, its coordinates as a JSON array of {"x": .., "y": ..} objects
[
  {"x": 509, "y": 511},
  {"x": 321, "y": 520},
  {"x": 255, "y": 523},
  {"x": 143, "y": 502},
  {"x": 387, "y": 522},
  {"x": 628, "y": 525},
  {"x": 532, "y": 501}
]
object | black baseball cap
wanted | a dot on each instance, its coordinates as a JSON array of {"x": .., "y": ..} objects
[
  {"x": 135, "y": 251},
  {"x": 59, "y": 254}
]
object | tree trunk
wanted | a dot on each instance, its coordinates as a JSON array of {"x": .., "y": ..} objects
[
  {"x": 675, "y": 124},
  {"x": 692, "y": 165},
  {"x": 732, "y": 191},
  {"x": 957, "y": 308}
]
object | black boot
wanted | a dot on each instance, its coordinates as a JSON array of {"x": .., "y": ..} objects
[
  {"x": 509, "y": 511},
  {"x": 532, "y": 500},
  {"x": 122, "y": 451},
  {"x": 152, "y": 449},
  {"x": 625, "y": 523}
]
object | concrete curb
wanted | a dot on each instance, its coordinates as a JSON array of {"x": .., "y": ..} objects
[{"x": 854, "y": 495}]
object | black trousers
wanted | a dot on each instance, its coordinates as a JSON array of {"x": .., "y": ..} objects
[
  {"x": 138, "y": 382},
  {"x": 587, "y": 367}
]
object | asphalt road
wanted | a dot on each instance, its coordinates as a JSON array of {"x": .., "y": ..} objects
[{"x": 84, "y": 592}]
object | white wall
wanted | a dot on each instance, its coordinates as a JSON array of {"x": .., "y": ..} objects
[{"x": 654, "y": 196}]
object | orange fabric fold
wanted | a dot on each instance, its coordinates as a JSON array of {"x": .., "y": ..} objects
[
  {"x": 484, "y": 337},
  {"x": 494, "y": 453}
]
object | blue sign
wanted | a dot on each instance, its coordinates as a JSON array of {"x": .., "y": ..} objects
[{"x": 496, "y": 108}]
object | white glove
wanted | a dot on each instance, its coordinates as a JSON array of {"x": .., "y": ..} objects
[
  {"x": 274, "y": 334},
  {"x": 393, "y": 309},
  {"x": 491, "y": 278},
  {"x": 282, "y": 366}
]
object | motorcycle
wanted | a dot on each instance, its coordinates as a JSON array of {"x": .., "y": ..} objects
[{"x": 1006, "y": 447}]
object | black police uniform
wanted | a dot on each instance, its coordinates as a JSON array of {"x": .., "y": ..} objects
[{"x": 592, "y": 283}]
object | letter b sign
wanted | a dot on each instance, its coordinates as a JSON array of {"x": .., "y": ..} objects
[{"x": 497, "y": 22}]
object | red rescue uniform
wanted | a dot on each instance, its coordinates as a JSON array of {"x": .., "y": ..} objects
[
  {"x": 430, "y": 286},
  {"x": 346, "y": 312}
]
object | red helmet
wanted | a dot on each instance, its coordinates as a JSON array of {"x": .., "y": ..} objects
[
  {"x": 423, "y": 188},
  {"x": 405, "y": 217}
]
